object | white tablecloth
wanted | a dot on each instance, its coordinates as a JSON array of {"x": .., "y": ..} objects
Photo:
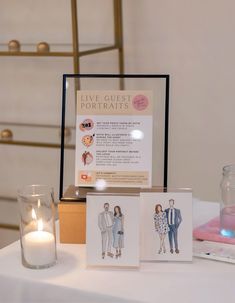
[{"x": 70, "y": 281}]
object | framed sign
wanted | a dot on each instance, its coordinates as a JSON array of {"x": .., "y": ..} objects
[{"x": 112, "y": 138}]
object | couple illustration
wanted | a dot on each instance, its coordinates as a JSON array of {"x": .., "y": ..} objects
[
  {"x": 167, "y": 222},
  {"x": 111, "y": 225}
]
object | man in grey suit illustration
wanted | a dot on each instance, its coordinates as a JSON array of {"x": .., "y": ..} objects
[
  {"x": 105, "y": 223},
  {"x": 173, "y": 219}
]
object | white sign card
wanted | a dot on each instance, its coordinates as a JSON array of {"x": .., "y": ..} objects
[
  {"x": 166, "y": 226},
  {"x": 114, "y": 139},
  {"x": 112, "y": 230}
]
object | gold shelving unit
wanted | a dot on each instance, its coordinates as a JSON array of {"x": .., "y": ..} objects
[
  {"x": 74, "y": 51},
  {"x": 36, "y": 135}
]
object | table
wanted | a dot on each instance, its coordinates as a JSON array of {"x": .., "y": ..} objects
[{"x": 70, "y": 280}]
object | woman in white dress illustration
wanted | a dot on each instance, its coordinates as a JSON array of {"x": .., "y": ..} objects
[
  {"x": 161, "y": 226},
  {"x": 118, "y": 231}
]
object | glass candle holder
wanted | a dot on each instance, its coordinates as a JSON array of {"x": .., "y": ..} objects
[
  {"x": 37, "y": 226},
  {"x": 227, "y": 212}
]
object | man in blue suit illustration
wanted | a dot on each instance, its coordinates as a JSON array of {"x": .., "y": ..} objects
[{"x": 173, "y": 219}]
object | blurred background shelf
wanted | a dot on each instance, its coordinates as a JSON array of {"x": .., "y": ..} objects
[
  {"x": 36, "y": 135},
  {"x": 57, "y": 50},
  {"x": 31, "y": 89}
]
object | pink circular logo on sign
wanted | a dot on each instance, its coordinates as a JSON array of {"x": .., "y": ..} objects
[{"x": 140, "y": 102}]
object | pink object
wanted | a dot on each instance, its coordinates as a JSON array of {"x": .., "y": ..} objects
[
  {"x": 140, "y": 102},
  {"x": 210, "y": 231}
]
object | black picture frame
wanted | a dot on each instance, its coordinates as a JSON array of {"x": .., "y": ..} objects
[{"x": 73, "y": 194}]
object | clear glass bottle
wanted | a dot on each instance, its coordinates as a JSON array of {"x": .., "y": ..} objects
[{"x": 227, "y": 211}]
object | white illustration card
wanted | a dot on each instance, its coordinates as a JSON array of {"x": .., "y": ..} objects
[
  {"x": 114, "y": 138},
  {"x": 112, "y": 230},
  {"x": 166, "y": 226}
]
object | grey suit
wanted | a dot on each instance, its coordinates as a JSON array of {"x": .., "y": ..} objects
[
  {"x": 173, "y": 226},
  {"x": 105, "y": 223}
]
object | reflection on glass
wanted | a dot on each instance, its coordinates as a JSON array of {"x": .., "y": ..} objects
[
  {"x": 100, "y": 184},
  {"x": 137, "y": 134},
  {"x": 67, "y": 84}
]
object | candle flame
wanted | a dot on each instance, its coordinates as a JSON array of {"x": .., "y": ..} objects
[
  {"x": 40, "y": 225},
  {"x": 34, "y": 214},
  {"x": 39, "y": 203}
]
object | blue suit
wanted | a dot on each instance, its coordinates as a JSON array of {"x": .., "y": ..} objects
[{"x": 173, "y": 226}]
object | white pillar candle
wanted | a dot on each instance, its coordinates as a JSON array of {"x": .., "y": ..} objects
[{"x": 39, "y": 248}]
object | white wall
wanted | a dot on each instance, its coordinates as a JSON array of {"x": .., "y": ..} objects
[
  {"x": 190, "y": 40},
  {"x": 194, "y": 42}
]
